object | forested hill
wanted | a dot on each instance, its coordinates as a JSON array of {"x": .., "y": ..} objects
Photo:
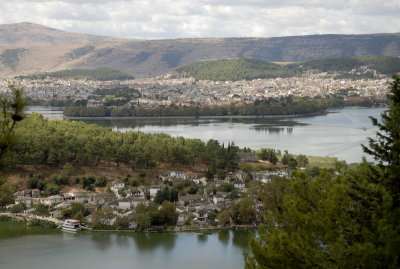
[
  {"x": 382, "y": 64},
  {"x": 239, "y": 69},
  {"x": 102, "y": 73},
  {"x": 235, "y": 69}
]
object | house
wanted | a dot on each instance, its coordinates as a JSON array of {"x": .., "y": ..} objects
[
  {"x": 51, "y": 200},
  {"x": 201, "y": 215},
  {"x": 103, "y": 198},
  {"x": 202, "y": 180},
  {"x": 82, "y": 197},
  {"x": 154, "y": 189},
  {"x": 24, "y": 200},
  {"x": 218, "y": 198},
  {"x": 117, "y": 186},
  {"x": 125, "y": 203},
  {"x": 239, "y": 185}
]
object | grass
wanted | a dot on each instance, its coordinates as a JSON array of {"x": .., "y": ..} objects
[{"x": 321, "y": 162}]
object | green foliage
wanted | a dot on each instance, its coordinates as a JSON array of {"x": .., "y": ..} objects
[
  {"x": 272, "y": 106},
  {"x": 235, "y": 69},
  {"x": 302, "y": 160},
  {"x": 166, "y": 194},
  {"x": 268, "y": 155},
  {"x": 226, "y": 187},
  {"x": 382, "y": 64},
  {"x": 19, "y": 208},
  {"x": 103, "y": 73},
  {"x": 248, "y": 69},
  {"x": 168, "y": 210},
  {"x": 6, "y": 194},
  {"x": 243, "y": 211},
  {"x": 345, "y": 220},
  {"x": 102, "y": 218},
  {"x": 11, "y": 112},
  {"x": 223, "y": 218},
  {"x": 55, "y": 142},
  {"x": 42, "y": 223},
  {"x": 42, "y": 210},
  {"x": 186, "y": 186},
  {"x": 150, "y": 215}
]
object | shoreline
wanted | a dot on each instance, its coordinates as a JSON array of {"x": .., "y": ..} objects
[
  {"x": 199, "y": 117},
  {"x": 180, "y": 229},
  {"x": 161, "y": 229}
]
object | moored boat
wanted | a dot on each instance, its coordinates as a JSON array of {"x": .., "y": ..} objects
[{"x": 71, "y": 225}]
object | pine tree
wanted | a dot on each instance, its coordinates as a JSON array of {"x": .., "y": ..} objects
[
  {"x": 11, "y": 113},
  {"x": 386, "y": 147}
]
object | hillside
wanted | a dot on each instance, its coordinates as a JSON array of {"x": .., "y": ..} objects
[
  {"x": 102, "y": 73},
  {"x": 27, "y": 48},
  {"x": 246, "y": 69},
  {"x": 235, "y": 69}
]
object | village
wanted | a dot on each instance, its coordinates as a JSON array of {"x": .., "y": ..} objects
[{"x": 198, "y": 201}]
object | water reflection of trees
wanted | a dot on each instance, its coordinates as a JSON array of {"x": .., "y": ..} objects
[
  {"x": 274, "y": 130},
  {"x": 202, "y": 237},
  {"x": 224, "y": 236},
  {"x": 102, "y": 241},
  {"x": 135, "y": 124},
  {"x": 241, "y": 238},
  {"x": 151, "y": 241}
]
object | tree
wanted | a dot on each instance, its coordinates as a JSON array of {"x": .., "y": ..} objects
[
  {"x": 386, "y": 147},
  {"x": 302, "y": 160},
  {"x": 142, "y": 217},
  {"x": 11, "y": 113},
  {"x": 243, "y": 211},
  {"x": 223, "y": 218},
  {"x": 169, "y": 211},
  {"x": 349, "y": 220}
]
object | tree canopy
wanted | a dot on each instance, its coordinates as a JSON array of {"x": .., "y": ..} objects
[{"x": 349, "y": 219}]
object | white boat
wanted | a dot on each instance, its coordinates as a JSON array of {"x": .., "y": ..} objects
[{"x": 71, "y": 225}]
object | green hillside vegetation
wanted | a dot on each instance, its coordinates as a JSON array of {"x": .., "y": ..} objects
[
  {"x": 57, "y": 142},
  {"x": 235, "y": 69},
  {"x": 103, "y": 73},
  {"x": 247, "y": 69},
  {"x": 382, "y": 64}
]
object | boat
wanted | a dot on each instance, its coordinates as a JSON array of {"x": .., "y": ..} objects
[{"x": 71, "y": 225}]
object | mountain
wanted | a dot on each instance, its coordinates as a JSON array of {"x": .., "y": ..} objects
[
  {"x": 27, "y": 48},
  {"x": 246, "y": 69}
]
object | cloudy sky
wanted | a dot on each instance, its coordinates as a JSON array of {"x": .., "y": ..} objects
[{"x": 207, "y": 18}]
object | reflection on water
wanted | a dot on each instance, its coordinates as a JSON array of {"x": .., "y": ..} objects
[
  {"x": 151, "y": 241},
  {"x": 240, "y": 238},
  {"x": 46, "y": 249},
  {"x": 101, "y": 241},
  {"x": 202, "y": 237},
  {"x": 224, "y": 236}
]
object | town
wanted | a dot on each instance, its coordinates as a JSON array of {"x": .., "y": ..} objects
[{"x": 166, "y": 90}]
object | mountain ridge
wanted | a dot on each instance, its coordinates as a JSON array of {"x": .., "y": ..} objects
[{"x": 27, "y": 48}]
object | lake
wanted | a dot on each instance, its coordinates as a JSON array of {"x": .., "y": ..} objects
[
  {"x": 337, "y": 134},
  {"x": 40, "y": 248}
]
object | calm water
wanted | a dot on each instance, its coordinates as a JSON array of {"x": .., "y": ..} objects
[
  {"x": 337, "y": 134},
  {"x": 41, "y": 249}
]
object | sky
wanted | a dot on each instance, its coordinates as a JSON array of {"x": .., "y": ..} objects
[{"x": 156, "y": 19}]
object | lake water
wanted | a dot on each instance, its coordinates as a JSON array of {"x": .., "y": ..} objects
[
  {"x": 338, "y": 134},
  {"x": 41, "y": 248}
]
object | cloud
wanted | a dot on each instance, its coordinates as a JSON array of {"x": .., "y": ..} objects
[{"x": 207, "y": 18}]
